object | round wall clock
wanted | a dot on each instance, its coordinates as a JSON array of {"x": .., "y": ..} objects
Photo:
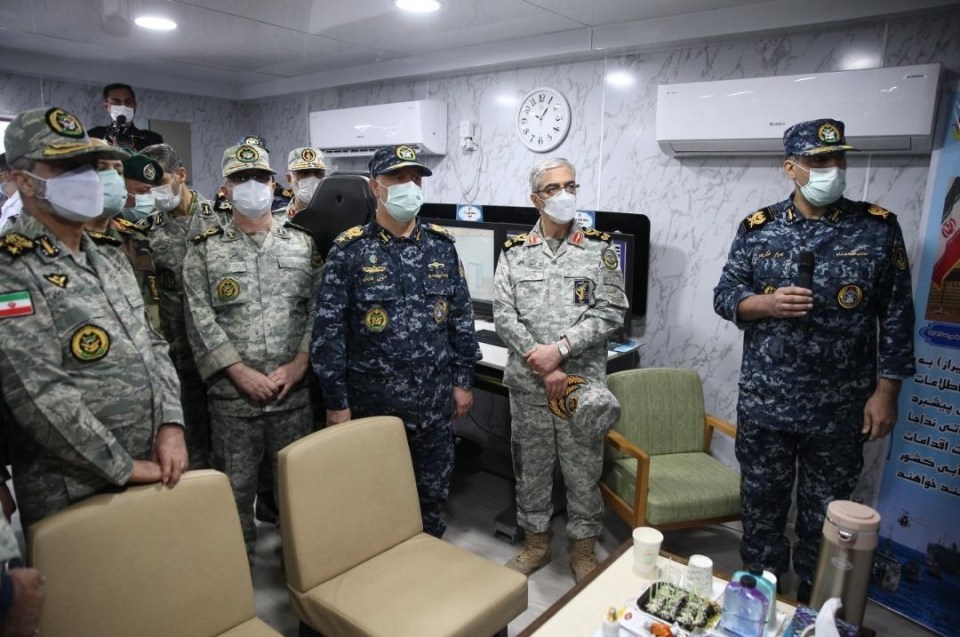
[{"x": 543, "y": 119}]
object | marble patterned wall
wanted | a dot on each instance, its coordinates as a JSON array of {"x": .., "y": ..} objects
[
  {"x": 694, "y": 204},
  {"x": 214, "y": 123}
]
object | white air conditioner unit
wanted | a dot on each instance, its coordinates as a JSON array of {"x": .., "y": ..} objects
[
  {"x": 360, "y": 131},
  {"x": 887, "y": 111}
]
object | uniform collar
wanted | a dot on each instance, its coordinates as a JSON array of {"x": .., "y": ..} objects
[
  {"x": 386, "y": 238},
  {"x": 574, "y": 237},
  {"x": 833, "y": 215}
]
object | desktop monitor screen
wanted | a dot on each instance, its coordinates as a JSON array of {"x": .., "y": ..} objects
[{"x": 477, "y": 249}]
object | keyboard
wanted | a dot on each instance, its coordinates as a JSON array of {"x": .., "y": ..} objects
[{"x": 490, "y": 338}]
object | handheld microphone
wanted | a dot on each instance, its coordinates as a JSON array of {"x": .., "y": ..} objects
[
  {"x": 805, "y": 277},
  {"x": 121, "y": 120}
]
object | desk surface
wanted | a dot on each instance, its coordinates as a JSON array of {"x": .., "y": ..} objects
[{"x": 580, "y": 611}]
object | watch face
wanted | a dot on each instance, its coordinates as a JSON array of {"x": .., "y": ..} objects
[{"x": 543, "y": 119}]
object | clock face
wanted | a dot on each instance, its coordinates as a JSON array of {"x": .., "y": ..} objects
[{"x": 543, "y": 119}]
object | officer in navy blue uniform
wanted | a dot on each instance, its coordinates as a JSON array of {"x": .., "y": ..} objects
[
  {"x": 394, "y": 330},
  {"x": 821, "y": 368}
]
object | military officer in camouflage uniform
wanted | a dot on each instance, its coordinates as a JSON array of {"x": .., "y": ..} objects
[
  {"x": 305, "y": 170},
  {"x": 394, "y": 331},
  {"x": 21, "y": 589},
  {"x": 558, "y": 296},
  {"x": 821, "y": 369},
  {"x": 249, "y": 290},
  {"x": 180, "y": 214},
  {"x": 94, "y": 399},
  {"x": 111, "y": 229}
]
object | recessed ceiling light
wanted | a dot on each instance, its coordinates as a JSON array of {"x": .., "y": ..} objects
[
  {"x": 418, "y": 6},
  {"x": 155, "y": 23}
]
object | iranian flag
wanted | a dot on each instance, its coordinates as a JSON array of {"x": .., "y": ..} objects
[{"x": 15, "y": 304}]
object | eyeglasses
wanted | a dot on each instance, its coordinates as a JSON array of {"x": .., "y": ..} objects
[
  {"x": 263, "y": 178},
  {"x": 552, "y": 189}
]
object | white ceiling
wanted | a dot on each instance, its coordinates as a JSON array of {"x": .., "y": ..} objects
[{"x": 247, "y": 49}]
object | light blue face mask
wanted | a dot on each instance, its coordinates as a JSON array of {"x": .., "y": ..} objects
[
  {"x": 114, "y": 192},
  {"x": 825, "y": 185},
  {"x": 404, "y": 201},
  {"x": 141, "y": 210}
]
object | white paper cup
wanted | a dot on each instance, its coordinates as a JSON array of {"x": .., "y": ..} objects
[
  {"x": 699, "y": 576},
  {"x": 646, "y": 548}
]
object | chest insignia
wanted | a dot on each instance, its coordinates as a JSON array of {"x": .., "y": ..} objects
[
  {"x": 228, "y": 289},
  {"x": 90, "y": 343},
  {"x": 440, "y": 310},
  {"x": 59, "y": 280},
  {"x": 376, "y": 319},
  {"x": 850, "y": 296}
]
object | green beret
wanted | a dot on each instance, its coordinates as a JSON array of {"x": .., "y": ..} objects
[{"x": 141, "y": 168}]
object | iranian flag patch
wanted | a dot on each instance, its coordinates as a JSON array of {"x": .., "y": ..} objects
[{"x": 15, "y": 304}]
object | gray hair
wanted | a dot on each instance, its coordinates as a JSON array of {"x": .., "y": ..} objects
[
  {"x": 542, "y": 166},
  {"x": 165, "y": 155}
]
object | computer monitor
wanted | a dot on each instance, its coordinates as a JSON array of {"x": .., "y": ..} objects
[{"x": 477, "y": 248}]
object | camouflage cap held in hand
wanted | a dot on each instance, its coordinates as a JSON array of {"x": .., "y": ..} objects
[
  {"x": 306, "y": 158},
  {"x": 142, "y": 168},
  {"x": 52, "y": 134},
  {"x": 815, "y": 137},
  {"x": 394, "y": 157},
  {"x": 245, "y": 157}
]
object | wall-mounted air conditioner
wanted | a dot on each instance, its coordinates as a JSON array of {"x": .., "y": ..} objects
[
  {"x": 888, "y": 110},
  {"x": 422, "y": 125}
]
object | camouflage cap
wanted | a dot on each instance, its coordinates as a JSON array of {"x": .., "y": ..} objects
[
  {"x": 306, "y": 158},
  {"x": 141, "y": 168},
  {"x": 52, "y": 134},
  {"x": 246, "y": 157},
  {"x": 815, "y": 137},
  {"x": 587, "y": 400},
  {"x": 393, "y": 157}
]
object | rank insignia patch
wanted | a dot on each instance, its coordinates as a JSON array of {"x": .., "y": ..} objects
[
  {"x": 769, "y": 289},
  {"x": 849, "y": 296},
  {"x": 16, "y": 244},
  {"x": 877, "y": 211},
  {"x": 152, "y": 286},
  {"x": 610, "y": 259},
  {"x": 440, "y": 310},
  {"x": 376, "y": 319},
  {"x": 59, "y": 280},
  {"x": 90, "y": 343},
  {"x": 46, "y": 246},
  {"x": 228, "y": 289},
  {"x": 581, "y": 291},
  {"x": 900, "y": 258},
  {"x": 565, "y": 406}
]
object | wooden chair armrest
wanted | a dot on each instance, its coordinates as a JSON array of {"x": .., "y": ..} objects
[
  {"x": 618, "y": 442},
  {"x": 712, "y": 422}
]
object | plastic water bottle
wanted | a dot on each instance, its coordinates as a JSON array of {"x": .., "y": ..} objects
[{"x": 744, "y": 608}]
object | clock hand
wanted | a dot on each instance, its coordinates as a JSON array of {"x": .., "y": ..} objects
[{"x": 540, "y": 116}]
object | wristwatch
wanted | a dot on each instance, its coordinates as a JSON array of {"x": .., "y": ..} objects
[{"x": 562, "y": 346}]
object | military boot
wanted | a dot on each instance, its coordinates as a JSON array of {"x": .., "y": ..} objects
[
  {"x": 583, "y": 560},
  {"x": 535, "y": 554}
]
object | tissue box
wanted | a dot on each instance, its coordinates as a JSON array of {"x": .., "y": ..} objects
[{"x": 806, "y": 616}]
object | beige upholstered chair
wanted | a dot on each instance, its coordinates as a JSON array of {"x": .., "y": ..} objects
[
  {"x": 658, "y": 469},
  {"x": 357, "y": 560},
  {"x": 149, "y": 561}
]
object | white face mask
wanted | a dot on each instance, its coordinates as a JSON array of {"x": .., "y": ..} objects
[
  {"x": 825, "y": 185},
  {"x": 116, "y": 110},
  {"x": 164, "y": 198},
  {"x": 114, "y": 192},
  {"x": 252, "y": 199},
  {"x": 404, "y": 201},
  {"x": 562, "y": 207},
  {"x": 306, "y": 187},
  {"x": 76, "y": 195}
]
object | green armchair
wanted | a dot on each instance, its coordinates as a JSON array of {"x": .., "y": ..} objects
[{"x": 658, "y": 470}]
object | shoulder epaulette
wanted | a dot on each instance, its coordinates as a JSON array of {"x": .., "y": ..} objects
[
  {"x": 877, "y": 212},
  {"x": 206, "y": 234},
  {"x": 102, "y": 239},
  {"x": 15, "y": 244},
  {"x": 757, "y": 220},
  {"x": 221, "y": 204},
  {"x": 515, "y": 241},
  {"x": 596, "y": 235},
  {"x": 296, "y": 226},
  {"x": 287, "y": 193},
  {"x": 125, "y": 226},
  {"x": 439, "y": 231},
  {"x": 350, "y": 235}
]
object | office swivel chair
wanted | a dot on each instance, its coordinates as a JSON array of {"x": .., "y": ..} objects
[{"x": 341, "y": 202}]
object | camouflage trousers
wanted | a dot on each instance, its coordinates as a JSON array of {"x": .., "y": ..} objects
[
  {"x": 239, "y": 444},
  {"x": 538, "y": 440},
  {"x": 826, "y": 464},
  {"x": 196, "y": 432},
  {"x": 432, "y": 453}
]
